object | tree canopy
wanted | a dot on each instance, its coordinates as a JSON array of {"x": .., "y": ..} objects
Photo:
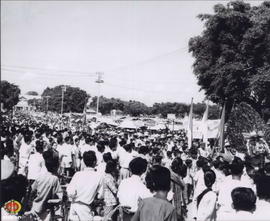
[
  {"x": 74, "y": 99},
  {"x": 9, "y": 95},
  {"x": 232, "y": 55},
  {"x": 136, "y": 108}
]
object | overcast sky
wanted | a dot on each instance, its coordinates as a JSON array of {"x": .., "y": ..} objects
[{"x": 141, "y": 46}]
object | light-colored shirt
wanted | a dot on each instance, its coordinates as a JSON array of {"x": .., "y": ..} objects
[
  {"x": 125, "y": 158},
  {"x": 207, "y": 207},
  {"x": 131, "y": 190},
  {"x": 262, "y": 211},
  {"x": 47, "y": 187},
  {"x": 84, "y": 186},
  {"x": 36, "y": 162},
  {"x": 225, "y": 199},
  {"x": 66, "y": 150}
]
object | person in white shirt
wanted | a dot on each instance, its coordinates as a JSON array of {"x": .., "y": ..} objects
[
  {"x": 83, "y": 188},
  {"x": 24, "y": 154},
  {"x": 67, "y": 153},
  {"x": 244, "y": 205},
  {"x": 125, "y": 157},
  {"x": 132, "y": 189},
  {"x": 231, "y": 182},
  {"x": 205, "y": 203},
  {"x": 36, "y": 162}
]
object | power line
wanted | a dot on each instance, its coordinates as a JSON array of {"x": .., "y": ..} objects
[
  {"x": 17, "y": 70},
  {"x": 150, "y": 60},
  {"x": 48, "y": 69}
]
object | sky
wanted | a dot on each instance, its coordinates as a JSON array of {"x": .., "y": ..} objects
[{"x": 141, "y": 47}]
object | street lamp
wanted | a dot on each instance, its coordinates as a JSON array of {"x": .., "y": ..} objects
[
  {"x": 47, "y": 103},
  {"x": 99, "y": 81},
  {"x": 64, "y": 88}
]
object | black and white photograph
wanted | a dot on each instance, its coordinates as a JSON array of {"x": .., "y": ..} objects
[{"x": 147, "y": 110}]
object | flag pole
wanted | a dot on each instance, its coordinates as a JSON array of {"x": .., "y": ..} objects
[
  {"x": 221, "y": 128},
  {"x": 190, "y": 125}
]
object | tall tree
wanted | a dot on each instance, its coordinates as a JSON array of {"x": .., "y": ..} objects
[
  {"x": 74, "y": 99},
  {"x": 232, "y": 56},
  {"x": 9, "y": 95}
]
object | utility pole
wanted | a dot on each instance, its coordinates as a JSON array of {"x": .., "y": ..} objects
[
  {"x": 64, "y": 88},
  {"x": 99, "y": 81},
  {"x": 47, "y": 103}
]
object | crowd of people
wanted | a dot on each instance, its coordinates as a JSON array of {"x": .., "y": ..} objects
[{"x": 121, "y": 174}]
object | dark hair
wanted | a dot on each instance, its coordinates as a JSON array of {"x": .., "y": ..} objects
[
  {"x": 237, "y": 166},
  {"x": 216, "y": 164},
  {"x": 176, "y": 165},
  {"x": 107, "y": 157},
  {"x": 127, "y": 147},
  {"x": 89, "y": 158},
  {"x": 209, "y": 178},
  {"x": 27, "y": 139},
  {"x": 111, "y": 166},
  {"x": 59, "y": 139},
  {"x": 100, "y": 147},
  {"x": 67, "y": 139},
  {"x": 267, "y": 167},
  {"x": 122, "y": 142},
  {"x": 51, "y": 164},
  {"x": 183, "y": 171},
  {"x": 138, "y": 166},
  {"x": 243, "y": 199},
  {"x": 39, "y": 146},
  {"x": 158, "y": 178},
  {"x": 263, "y": 187}
]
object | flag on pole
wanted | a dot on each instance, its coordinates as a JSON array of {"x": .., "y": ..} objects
[
  {"x": 221, "y": 129},
  {"x": 84, "y": 115},
  {"x": 190, "y": 125},
  {"x": 204, "y": 125}
]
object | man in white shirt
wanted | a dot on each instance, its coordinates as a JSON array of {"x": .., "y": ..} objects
[
  {"x": 24, "y": 154},
  {"x": 67, "y": 156},
  {"x": 125, "y": 156},
  {"x": 132, "y": 189},
  {"x": 36, "y": 162},
  {"x": 83, "y": 188},
  {"x": 231, "y": 182}
]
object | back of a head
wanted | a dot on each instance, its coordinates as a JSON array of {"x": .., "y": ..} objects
[
  {"x": 89, "y": 158},
  {"x": 39, "y": 146},
  {"x": 107, "y": 157},
  {"x": 138, "y": 166},
  {"x": 127, "y": 147},
  {"x": 111, "y": 167},
  {"x": 244, "y": 199},
  {"x": 176, "y": 165},
  {"x": 263, "y": 187},
  {"x": 237, "y": 166},
  {"x": 209, "y": 178},
  {"x": 158, "y": 178},
  {"x": 51, "y": 164}
]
